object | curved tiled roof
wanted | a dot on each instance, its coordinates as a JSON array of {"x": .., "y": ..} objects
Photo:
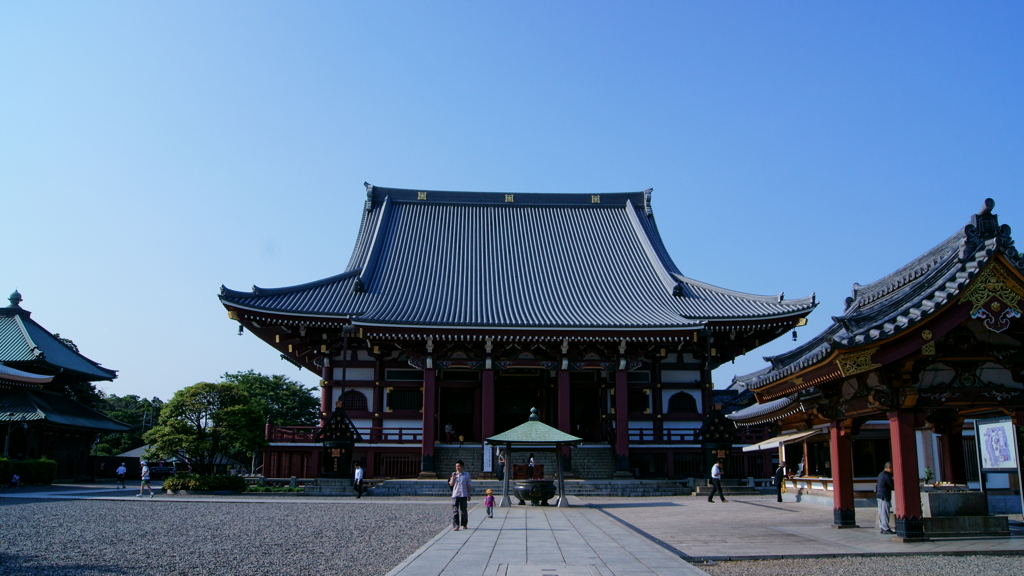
[
  {"x": 472, "y": 259},
  {"x": 23, "y": 405},
  {"x": 767, "y": 412},
  {"x": 23, "y": 342},
  {"x": 904, "y": 298}
]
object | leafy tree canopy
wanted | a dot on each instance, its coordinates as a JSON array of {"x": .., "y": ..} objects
[
  {"x": 139, "y": 413},
  {"x": 283, "y": 400},
  {"x": 205, "y": 421}
]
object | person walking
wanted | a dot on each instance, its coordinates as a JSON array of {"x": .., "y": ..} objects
[
  {"x": 716, "y": 482},
  {"x": 529, "y": 467},
  {"x": 883, "y": 491},
  {"x": 462, "y": 493},
  {"x": 145, "y": 481},
  {"x": 780, "y": 480},
  {"x": 489, "y": 503},
  {"x": 357, "y": 481},
  {"x": 121, "y": 471},
  {"x": 501, "y": 466},
  {"x": 448, "y": 431}
]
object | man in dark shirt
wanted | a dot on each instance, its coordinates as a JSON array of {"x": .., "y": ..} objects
[
  {"x": 883, "y": 491},
  {"x": 779, "y": 480}
]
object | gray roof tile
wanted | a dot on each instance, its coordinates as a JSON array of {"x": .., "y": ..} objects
[{"x": 540, "y": 260}]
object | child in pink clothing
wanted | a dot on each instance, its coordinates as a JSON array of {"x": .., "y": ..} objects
[{"x": 489, "y": 503}]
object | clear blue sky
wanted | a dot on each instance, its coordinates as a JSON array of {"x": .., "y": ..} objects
[{"x": 150, "y": 152}]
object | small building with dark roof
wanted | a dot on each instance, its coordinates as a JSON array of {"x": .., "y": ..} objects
[
  {"x": 45, "y": 388},
  {"x": 917, "y": 354},
  {"x": 469, "y": 308}
]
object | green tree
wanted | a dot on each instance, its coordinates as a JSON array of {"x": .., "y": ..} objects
[
  {"x": 204, "y": 421},
  {"x": 139, "y": 413},
  {"x": 284, "y": 401}
]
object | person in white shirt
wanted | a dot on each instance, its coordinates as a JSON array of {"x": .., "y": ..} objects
[
  {"x": 357, "y": 483},
  {"x": 462, "y": 493},
  {"x": 121, "y": 471},
  {"x": 145, "y": 481},
  {"x": 716, "y": 482}
]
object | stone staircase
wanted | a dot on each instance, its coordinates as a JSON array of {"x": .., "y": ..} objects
[
  {"x": 617, "y": 488},
  {"x": 593, "y": 462}
]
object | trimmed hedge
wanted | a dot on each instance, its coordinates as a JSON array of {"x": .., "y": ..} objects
[
  {"x": 193, "y": 482},
  {"x": 40, "y": 472}
]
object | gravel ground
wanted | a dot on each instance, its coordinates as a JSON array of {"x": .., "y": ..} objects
[
  {"x": 104, "y": 537},
  {"x": 874, "y": 566}
]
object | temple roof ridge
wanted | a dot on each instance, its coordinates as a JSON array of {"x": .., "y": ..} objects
[
  {"x": 904, "y": 298},
  {"x": 378, "y": 194}
]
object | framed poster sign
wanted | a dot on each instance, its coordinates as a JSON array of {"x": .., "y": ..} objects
[{"x": 997, "y": 440}]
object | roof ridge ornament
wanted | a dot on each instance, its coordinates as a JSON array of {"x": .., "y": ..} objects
[
  {"x": 985, "y": 225},
  {"x": 15, "y": 299},
  {"x": 533, "y": 415},
  {"x": 369, "y": 197}
]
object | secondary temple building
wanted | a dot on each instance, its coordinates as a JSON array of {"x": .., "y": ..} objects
[
  {"x": 45, "y": 388},
  {"x": 914, "y": 357},
  {"x": 461, "y": 311}
]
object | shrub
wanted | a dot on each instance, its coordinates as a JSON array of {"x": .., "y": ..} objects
[
  {"x": 41, "y": 471},
  {"x": 195, "y": 483},
  {"x": 6, "y": 471}
]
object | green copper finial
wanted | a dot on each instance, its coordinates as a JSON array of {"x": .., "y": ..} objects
[
  {"x": 15, "y": 299},
  {"x": 533, "y": 415}
]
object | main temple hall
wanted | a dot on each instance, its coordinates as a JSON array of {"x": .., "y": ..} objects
[{"x": 458, "y": 312}]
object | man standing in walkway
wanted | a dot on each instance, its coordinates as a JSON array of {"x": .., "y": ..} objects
[
  {"x": 883, "y": 491},
  {"x": 716, "y": 482},
  {"x": 780, "y": 480},
  {"x": 462, "y": 493}
]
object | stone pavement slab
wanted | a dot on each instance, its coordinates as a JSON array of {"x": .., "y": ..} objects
[
  {"x": 543, "y": 541},
  {"x": 759, "y": 528}
]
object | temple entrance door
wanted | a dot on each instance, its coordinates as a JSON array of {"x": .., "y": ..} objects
[
  {"x": 458, "y": 407},
  {"x": 516, "y": 390},
  {"x": 585, "y": 412}
]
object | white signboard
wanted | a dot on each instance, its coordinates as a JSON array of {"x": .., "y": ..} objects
[
  {"x": 997, "y": 439},
  {"x": 488, "y": 452}
]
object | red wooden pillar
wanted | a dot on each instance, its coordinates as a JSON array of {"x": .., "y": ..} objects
[
  {"x": 564, "y": 415},
  {"x": 843, "y": 514},
  {"x": 429, "y": 424},
  {"x": 904, "y": 463},
  {"x": 487, "y": 405},
  {"x": 621, "y": 422}
]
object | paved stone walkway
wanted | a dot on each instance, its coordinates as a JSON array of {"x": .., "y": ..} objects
[
  {"x": 548, "y": 541},
  {"x": 760, "y": 528}
]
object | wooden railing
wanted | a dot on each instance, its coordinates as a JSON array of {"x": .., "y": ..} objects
[
  {"x": 370, "y": 434},
  {"x": 685, "y": 436}
]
